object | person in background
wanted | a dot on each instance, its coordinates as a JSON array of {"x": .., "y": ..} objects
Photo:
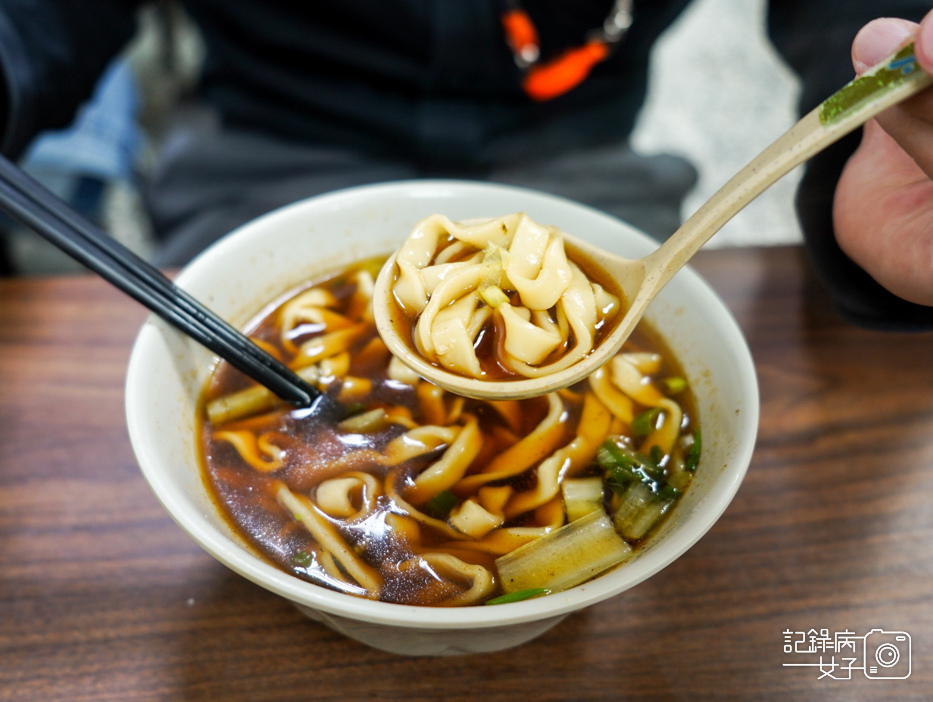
[{"x": 297, "y": 100}]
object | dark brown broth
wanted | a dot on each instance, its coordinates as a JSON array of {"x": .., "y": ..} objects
[{"x": 246, "y": 497}]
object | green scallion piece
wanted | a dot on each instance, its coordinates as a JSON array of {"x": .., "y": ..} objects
[
  {"x": 519, "y": 596},
  {"x": 355, "y": 408},
  {"x": 624, "y": 466},
  {"x": 440, "y": 505},
  {"x": 618, "y": 466},
  {"x": 493, "y": 296},
  {"x": 650, "y": 467},
  {"x": 646, "y": 422},
  {"x": 693, "y": 457},
  {"x": 611, "y": 455},
  {"x": 675, "y": 384},
  {"x": 303, "y": 559},
  {"x": 668, "y": 492},
  {"x": 656, "y": 455},
  {"x": 619, "y": 478}
]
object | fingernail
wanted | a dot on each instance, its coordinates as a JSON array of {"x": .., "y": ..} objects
[
  {"x": 877, "y": 40},
  {"x": 925, "y": 42}
]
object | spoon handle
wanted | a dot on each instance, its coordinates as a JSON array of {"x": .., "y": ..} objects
[{"x": 889, "y": 82}]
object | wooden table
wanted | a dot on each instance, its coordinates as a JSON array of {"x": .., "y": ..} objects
[{"x": 102, "y": 597}]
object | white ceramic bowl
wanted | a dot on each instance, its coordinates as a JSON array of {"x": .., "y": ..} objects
[{"x": 262, "y": 259}]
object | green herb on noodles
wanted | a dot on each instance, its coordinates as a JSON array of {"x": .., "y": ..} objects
[
  {"x": 440, "y": 505},
  {"x": 646, "y": 422},
  {"x": 519, "y": 596},
  {"x": 355, "y": 408},
  {"x": 623, "y": 466},
  {"x": 675, "y": 384},
  {"x": 303, "y": 559},
  {"x": 668, "y": 492},
  {"x": 693, "y": 457},
  {"x": 619, "y": 466},
  {"x": 656, "y": 455}
]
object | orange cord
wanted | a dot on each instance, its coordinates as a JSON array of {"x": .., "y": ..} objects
[
  {"x": 565, "y": 72},
  {"x": 520, "y": 31}
]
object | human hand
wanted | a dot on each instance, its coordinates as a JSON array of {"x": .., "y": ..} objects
[{"x": 883, "y": 207}]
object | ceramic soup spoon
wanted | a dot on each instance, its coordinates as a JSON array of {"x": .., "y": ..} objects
[{"x": 890, "y": 82}]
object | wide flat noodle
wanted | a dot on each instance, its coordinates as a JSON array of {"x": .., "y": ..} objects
[
  {"x": 511, "y": 269},
  {"x": 306, "y": 512}
]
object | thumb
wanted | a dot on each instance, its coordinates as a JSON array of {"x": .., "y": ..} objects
[{"x": 879, "y": 39}]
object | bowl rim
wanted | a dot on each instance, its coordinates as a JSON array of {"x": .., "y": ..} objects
[{"x": 253, "y": 567}]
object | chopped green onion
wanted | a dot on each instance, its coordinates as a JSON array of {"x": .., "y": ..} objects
[
  {"x": 493, "y": 296},
  {"x": 303, "y": 559},
  {"x": 618, "y": 478},
  {"x": 610, "y": 454},
  {"x": 355, "y": 408},
  {"x": 638, "y": 511},
  {"x": 619, "y": 466},
  {"x": 646, "y": 422},
  {"x": 624, "y": 466},
  {"x": 440, "y": 505},
  {"x": 650, "y": 467},
  {"x": 519, "y": 596},
  {"x": 693, "y": 457},
  {"x": 668, "y": 492},
  {"x": 675, "y": 384},
  {"x": 656, "y": 455}
]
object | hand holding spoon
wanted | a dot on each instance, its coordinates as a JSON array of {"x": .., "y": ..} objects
[{"x": 886, "y": 84}]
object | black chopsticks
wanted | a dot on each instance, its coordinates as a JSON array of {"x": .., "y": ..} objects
[{"x": 26, "y": 200}]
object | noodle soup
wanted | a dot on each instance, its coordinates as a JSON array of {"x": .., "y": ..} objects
[
  {"x": 421, "y": 497},
  {"x": 501, "y": 299}
]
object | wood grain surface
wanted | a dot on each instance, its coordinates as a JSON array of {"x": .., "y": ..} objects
[{"x": 103, "y": 597}]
